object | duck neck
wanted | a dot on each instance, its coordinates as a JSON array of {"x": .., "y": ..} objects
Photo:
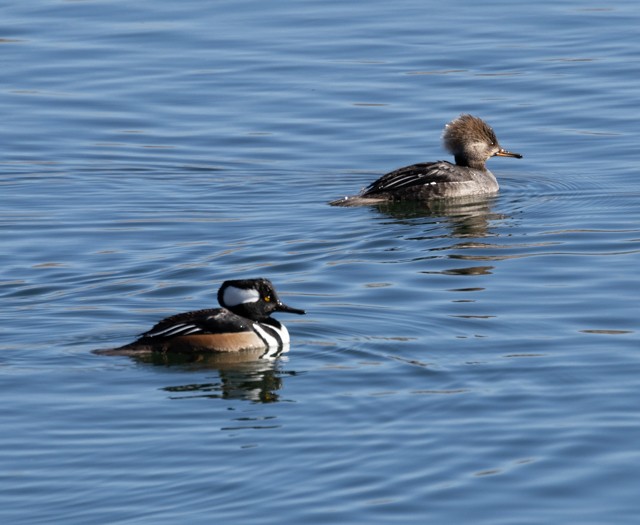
[{"x": 463, "y": 160}]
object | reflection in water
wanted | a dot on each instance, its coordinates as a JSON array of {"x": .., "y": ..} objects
[
  {"x": 468, "y": 217},
  {"x": 257, "y": 381},
  {"x": 246, "y": 375},
  {"x": 470, "y": 270}
]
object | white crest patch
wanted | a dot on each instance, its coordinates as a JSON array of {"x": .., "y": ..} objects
[{"x": 234, "y": 296}]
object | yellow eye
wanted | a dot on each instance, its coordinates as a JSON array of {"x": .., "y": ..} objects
[{"x": 266, "y": 298}]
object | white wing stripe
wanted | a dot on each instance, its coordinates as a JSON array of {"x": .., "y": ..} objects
[
  {"x": 173, "y": 330},
  {"x": 193, "y": 331},
  {"x": 401, "y": 180}
]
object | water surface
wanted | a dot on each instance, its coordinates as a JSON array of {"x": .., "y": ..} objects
[{"x": 470, "y": 363}]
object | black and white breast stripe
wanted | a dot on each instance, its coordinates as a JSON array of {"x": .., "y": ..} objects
[{"x": 272, "y": 336}]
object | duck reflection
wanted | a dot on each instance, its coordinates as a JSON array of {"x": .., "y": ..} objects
[
  {"x": 468, "y": 217},
  {"x": 257, "y": 381},
  {"x": 247, "y": 375}
]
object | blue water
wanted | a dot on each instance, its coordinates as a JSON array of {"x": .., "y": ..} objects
[{"x": 464, "y": 364}]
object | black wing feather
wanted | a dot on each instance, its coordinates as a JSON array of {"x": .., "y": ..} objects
[
  {"x": 415, "y": 175},
  {"x": 208, "y": 321}
]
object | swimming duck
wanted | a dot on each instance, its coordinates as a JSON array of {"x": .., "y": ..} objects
[
  {"x": 243, "y": 322},
  {"x": 471, "y": 141}
]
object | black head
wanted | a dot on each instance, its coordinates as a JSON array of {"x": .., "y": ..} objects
[{"x": 252, "y": 298}]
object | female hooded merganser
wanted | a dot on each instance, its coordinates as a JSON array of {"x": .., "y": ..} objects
[
  {"x": 471, "y": 141},
  {"x": 243, "y": 323}
]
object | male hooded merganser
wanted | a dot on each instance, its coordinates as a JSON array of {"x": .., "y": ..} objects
[
  {"x": 243, "y": 323},
  {"x": 471, "y": 141}
]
